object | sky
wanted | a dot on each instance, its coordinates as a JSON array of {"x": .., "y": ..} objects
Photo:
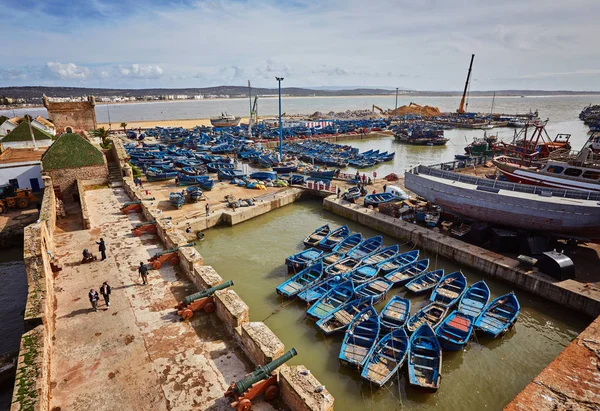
[{"x": 418, "y": 44}]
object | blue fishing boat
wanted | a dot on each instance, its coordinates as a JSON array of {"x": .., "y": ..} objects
[
  {"x": 340, "y": 250},
  {"x": 303, "y": 259},
  {"x": 334, "y": 238},
  {"x": 215, "y": 167},
  {"x": 176, "y": 199},
  {"x": 230, "y": 174},
  {"x": 264, "y": 175},
  {"x": 184, "y": 179},
  {"x": 449, "y": 290},
  {"x": 362, "y": 274},
  {"x": 160, "y": 175},
  {"x": 379, "y": 198},
  {"x": 333, "y": 299},
  {"x": 474, "y": 300},
  {"x": 195, "y": 193},
  {"x": 424, "y": 359},
  {"x": 366, "y": 248},
  {"x": 342, "y": 316},
  {"x": 381, "y": 255},
  {"x": 425, "y": 281},
  {"x": 206, "y": 185},
  {"x": 398, "y": 261},
  {"x": 431, "y": 314},
  {"x": 301, "y": 281},
  {"x": 286, "y": 168},
  {"x": 499, "y": 315},
  {"x": 408, "y": 272},
  {"x": 317, "y": 235},
  {"x": 360, "y": 339},
  {"x": 320, "y": 288},
  {"x": 455, "y": 331},
  {"x": 395, "y": 313},
  {"x": 352, "y": 194},
  {"x": 342, "y": 266},
  {"x": 324, "y": 174},
  {"x": 387, "y": 357},
  {"x": 376, "y": 288}
]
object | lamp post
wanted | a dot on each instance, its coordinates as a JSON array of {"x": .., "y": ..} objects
[
  {"x": 279, "y": 80},
  {"x": 396, "y": 108}
]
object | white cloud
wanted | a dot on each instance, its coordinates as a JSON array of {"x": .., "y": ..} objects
[
  {"x": 141, "y": 71},
  {"x": 68, "y": 71}
]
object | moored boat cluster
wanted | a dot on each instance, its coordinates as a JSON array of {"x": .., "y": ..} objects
[{"x": 343, "y": 276}]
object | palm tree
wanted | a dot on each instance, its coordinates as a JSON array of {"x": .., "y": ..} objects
[
  {"x": 102, "y": 133},
  {"x": 124, "y": 125}
]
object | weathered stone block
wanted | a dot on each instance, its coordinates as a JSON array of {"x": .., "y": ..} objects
[
  {"x": 299, "y": 391},
  {"x": 205, "y": 276},
  {"x": 260, "y": 343},
  {"x": 231, "y": 309}
]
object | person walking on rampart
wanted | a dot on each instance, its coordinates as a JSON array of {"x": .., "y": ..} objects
[
  {"x": 102, "y": 248},
  {"x": 105, "y": 291},
  {"x": 143, "y": 270},
  {"x": 93, "y": 295}
]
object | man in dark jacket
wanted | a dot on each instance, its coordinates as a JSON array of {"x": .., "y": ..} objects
[
  {"x": 93, "y": 295},
  {"x": 102, "y": 248},
  {"x": 143, "y": 270},
  {"x": 105, "y": 291}
]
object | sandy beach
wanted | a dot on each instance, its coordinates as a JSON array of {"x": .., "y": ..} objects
[{"x": 186, "y": 123}]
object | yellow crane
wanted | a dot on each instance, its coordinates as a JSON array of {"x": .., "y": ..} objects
[{"x": 461, "y": 108}]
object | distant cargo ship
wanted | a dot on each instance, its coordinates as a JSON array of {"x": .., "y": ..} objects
[{"x": 225, "y": 120}]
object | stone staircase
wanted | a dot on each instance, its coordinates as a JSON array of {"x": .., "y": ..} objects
[{"x": 115, "y": 178}]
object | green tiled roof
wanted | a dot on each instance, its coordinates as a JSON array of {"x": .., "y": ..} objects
[
  {"x": 21, "y": 133},
  {"x": 71, "y": 150}
]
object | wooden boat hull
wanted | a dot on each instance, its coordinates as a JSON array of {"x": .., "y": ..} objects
[
  {"x": 407, "y": 272},
  {"x": 499, "y": 315},
  {"x": 387, "y": 358},
  {"x": 395, "y": 313},
  {"x": 360, "y": 339},
  {"x": 302, "y": 260},
  {"x": 455, "y": 331},
  {"x": 424, "y": 359},
  {"x": 377, "y": 288},
  {"x": 340, "y": 318},
  {"x": 317, "y": 235},
  {"x": 475, "y": 299},
  {"x": 334, "y": 298},
  {"x": 301, "y": 281},
  {"x": 449, "y": 290},
  {"x": 431, "y": 314},
  {"x": 425, "y": 281}
]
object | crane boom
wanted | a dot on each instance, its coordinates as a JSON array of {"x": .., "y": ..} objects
[{"x": 461, "y": 109}]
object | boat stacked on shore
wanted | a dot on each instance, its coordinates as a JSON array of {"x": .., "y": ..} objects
[{"x": 344, "y": 276}]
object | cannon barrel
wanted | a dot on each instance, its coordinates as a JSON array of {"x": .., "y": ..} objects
[
  {"x": 145, "y": 223},
  {"x": 263, "y": 372},
  {"x": 172, "y": 250},
  {"x": 131, "y": 203},
  {"x": 206, "y": 293}
]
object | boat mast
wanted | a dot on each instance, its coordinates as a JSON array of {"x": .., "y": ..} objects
[
  {"x": 250, "y": 120},
  {"x": 461, "y": 108}
]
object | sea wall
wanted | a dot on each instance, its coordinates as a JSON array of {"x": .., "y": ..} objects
[
  {"x": 255, "y": 339},
  {"x": 568, "y": 293},
  {"x": 570, "y": 382},
  {"x": 32, "y": 382}
]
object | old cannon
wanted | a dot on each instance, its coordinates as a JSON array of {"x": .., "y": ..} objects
[
  {"x": 260, "y": 381},
  {"x": 136, "y": 206},
  {"x": 202, "y": 300},
  {"x": 169, "y": 255},
  {"x": 147, "y": 227}
]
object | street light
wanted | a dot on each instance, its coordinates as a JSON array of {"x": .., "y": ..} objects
[
  {"x": 396, "y": 101},
  {"x": 280, "y": 79}
]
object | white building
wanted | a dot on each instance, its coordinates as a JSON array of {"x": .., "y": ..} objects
[
  {"x": 22, "y": 168},
  {"x": 9, "y": 125},
  {"x": 20, "y": 137}
]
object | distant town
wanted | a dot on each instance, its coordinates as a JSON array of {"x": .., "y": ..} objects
[{"x": 12, "y": 97}]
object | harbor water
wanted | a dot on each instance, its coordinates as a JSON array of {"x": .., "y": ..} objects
[{"x": 486, "y": 375}]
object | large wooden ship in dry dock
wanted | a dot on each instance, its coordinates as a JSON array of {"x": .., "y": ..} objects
[{"x": 566, "y": 213}]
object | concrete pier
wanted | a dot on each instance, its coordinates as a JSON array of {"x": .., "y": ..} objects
[{"x": 569, "y": 293}]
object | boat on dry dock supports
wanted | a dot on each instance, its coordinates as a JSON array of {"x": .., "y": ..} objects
[{"x": 527, "y": 207}]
